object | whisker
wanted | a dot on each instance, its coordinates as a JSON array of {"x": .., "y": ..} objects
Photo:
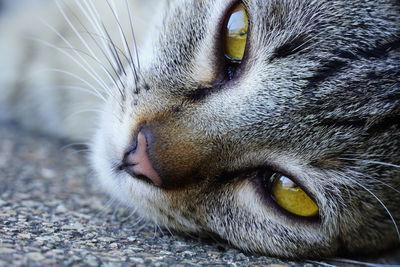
[
  {"x": 138, "y": 220},
  {"x": 67, "y": 19},
  {"x": 125, "y": 42},
  {"x": 114, "y": 214},
  {"x": 374, "y": 162},
  {"x": 133, "y": 212},
  {"x": 321, "y": 263},
  {"x": 108, "y": 41},
  {"x": 72, "y": 146},
  {"x": 92, "y": 55},
  {"x": 78, "y": 78},
  {"x": 128, "y": 7},
  {"x": 168, "y": 229},
  {"x": 89, "y": 69},
  {"x": 383, "y": 205},
  {"x": 104, "y": 68},
  {"x": 107, "y": 205},
  {"x": 349, "y": 261},
  {"x": 377, "y": 180},
  {"x": 77, "y": 88},
  {"x": 94, "y": 19},
  {"x": 80, "y": 151},
  {"x": 111, "y": 47},
  {"x": 71, "y": 57},
  {"x": 155, "y": 228},
  {"x": 85, "y": 111},
  {"x": 144, "y": 225}
]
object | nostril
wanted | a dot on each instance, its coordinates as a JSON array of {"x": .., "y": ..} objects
[
  {"x": 127, "y": 159},
  {"x": 137, "y": 163}
]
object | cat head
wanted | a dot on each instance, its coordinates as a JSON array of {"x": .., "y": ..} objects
[{"x": 283, "y": 141}]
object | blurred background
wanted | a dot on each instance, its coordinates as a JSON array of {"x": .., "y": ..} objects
[{"x": 10, "y": 5}]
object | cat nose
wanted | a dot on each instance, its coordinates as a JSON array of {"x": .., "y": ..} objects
[{"x": 137, "y": 162}]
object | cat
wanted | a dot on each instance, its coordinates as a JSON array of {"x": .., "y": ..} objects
[{"x": 273, "y": 124}]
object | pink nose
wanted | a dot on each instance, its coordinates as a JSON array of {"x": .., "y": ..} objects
[{"x": 137, "y": 162}]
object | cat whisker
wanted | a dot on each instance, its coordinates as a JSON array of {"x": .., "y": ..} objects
[
  {"x": 106, "y": 206},
  {"x": 374, "y": 179},
  {"x": 106, "y": 51},
  {"x": 119, "y": 85},
  {"x": 80, "y": 151},
  {"x": 113, "y": 48},
  {"x": 104, "y": 68},
  {"x": 321, "y": 263},
  {"x": 121, "y": 33},
  {"x": 73, "y": 75},
  {"x": 169, "y": 230},
  {"x": 92, "y": 54},
  {"x": 155, "y": 230},
  {"x": 87, "y": 90},
  {"x": 387, "y": 164},
  {"x": 110, "y": 47},
  {"x": 94, "y": 23},
  {"x": 161, "y": 229},
  {"x": 139, "y": 220},
  {"x": 145, "y": 224},
  {"x": 128, "y": 7},
  {"x": 71, "y": 57},
  {"x": 72, "y": 145},
  {"x": 76, "y": 32},
  {"x": 382, "y": 204},
  {"x": 88, "y": 68},
  {"x": 361, "y": 263},
  {"x": 78, "y": 88},
  {"x": 85, "y": 111},
  {"x": 123, "y": 55},
  {"x": 92, "y": 34},
  {"x": 126, "y": 46},
  {"x": 114, "y": 214},
  {"x": 125, "y": 219},
  {"x": 94, "y": 18}
]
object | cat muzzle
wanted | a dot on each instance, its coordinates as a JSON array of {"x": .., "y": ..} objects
[{"x": 162, "y": 154}]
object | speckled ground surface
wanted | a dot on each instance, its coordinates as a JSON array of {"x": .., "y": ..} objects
[{"x": 53, "y": 213}]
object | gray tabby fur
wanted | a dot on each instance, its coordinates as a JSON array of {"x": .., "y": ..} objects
[{"x": 317, "y": 97}]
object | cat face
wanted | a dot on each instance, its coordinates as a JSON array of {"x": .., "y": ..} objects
[{"x": 289, "y": 149}]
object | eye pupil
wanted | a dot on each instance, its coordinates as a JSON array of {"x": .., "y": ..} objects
[
  {"x": 289, "y": 196},
  {"x": 236, "y": 33}
]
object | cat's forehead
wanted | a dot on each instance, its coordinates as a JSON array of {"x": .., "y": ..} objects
[
  {"x": 191, "y": 32},
  {"x": 189, "y": 37},
  {"x": 185, "y": 42}
]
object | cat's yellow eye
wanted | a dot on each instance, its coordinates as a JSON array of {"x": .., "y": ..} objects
[
  {"x": 236, "y": 33},
  {"x": 291, "y": 197}
]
